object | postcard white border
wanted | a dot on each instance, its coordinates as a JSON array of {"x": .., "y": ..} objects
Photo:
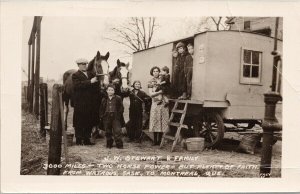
[{"x": 12, "y": 14}]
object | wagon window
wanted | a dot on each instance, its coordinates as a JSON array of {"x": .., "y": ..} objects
[{"x": 251, "y": 66}]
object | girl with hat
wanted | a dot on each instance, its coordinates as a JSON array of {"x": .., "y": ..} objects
[{"x": 137, "y": 99}]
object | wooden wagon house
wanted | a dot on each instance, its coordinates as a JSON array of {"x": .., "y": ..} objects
[{"x": 231, "y": 72}]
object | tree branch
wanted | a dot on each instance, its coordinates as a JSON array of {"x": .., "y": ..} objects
[
  {"x": 152, "y": 31},
  {"x": 144, "y": 30},
  {"x": 123, "y": 43},
  {"x": 126, "y": 37},
  {"x": 135, "y": 34}
]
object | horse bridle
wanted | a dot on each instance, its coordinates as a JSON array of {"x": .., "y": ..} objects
[
  {"x": 124, "y": 76},
  {"x": 95, "y": 69}
]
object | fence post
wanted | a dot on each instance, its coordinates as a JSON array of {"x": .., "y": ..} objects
[
  {"x": 32, "y": 74},
  {"x": 25, "y": 93},
  {"x": 46, "y": 104},
  {"x": 55, "y": 133},
  {"x": 37, "y": 66},
  {"x": 269, "y": 125},
  {"x": 43, "y": 115},
  {"x": 28, "y": 83}
]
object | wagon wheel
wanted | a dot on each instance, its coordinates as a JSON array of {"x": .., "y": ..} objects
[{"x": 212, "y": 129}]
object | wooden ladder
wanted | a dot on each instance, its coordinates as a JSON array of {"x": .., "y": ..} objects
[{"x": 179, "y": 125}]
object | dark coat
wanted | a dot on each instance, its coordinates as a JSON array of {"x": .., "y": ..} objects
[
  {"x": 188, "y": 73},
  {"x": 135, "y": 124},
  {"x": 179, "y": 78},
  {"x": 188, "y": 64},
  {"x": 136, "y": 102},
  {"x": 87, "y": 98},
  {"x": 119, "y": 107},
  {"x": 166, "y": 86}
]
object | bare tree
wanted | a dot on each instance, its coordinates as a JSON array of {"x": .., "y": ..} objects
[
  {"x": 213, "y": 24},
  {"x": 217, "y": 22},
  {"x": 136, "y": 34}
]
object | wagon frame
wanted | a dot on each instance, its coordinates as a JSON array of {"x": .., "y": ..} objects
[{"x": 221, "y": 93}]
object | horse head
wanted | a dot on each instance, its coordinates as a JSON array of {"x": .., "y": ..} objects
[
  {"x": 121, "y": 73},
  {"x": 100, "y": 67}
]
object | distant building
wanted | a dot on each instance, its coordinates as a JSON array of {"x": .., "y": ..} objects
[{"x": 261, "y": 25}]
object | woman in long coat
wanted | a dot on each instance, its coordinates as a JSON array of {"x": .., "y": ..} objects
[{"x": 159, "y": 114}]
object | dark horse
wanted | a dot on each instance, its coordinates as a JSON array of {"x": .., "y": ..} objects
[
  {"x": 119, "y": 76},
  {"x": 99, "y": 67}
]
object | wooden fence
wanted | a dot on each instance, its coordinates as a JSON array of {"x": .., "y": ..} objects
[
  {"x": 56, "y": 132},
  {"x": 33, "y": 83}
]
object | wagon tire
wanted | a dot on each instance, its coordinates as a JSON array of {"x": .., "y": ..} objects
[{"x": 212, "y": 129}]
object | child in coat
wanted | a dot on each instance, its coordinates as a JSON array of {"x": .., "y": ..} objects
[
  {"x": 188, "y": 71},
  {"x": 164, "y": 85},
  {"x": 179, "y": 76},
  {"x": 137, "y": 99},
  {"x": 111, "y": 112}
]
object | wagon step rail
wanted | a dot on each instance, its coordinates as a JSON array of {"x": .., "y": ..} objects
[{"x": 179, "y": 125}]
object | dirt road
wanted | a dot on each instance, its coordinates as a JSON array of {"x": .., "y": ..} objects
[{"x": 143, "y": 159}]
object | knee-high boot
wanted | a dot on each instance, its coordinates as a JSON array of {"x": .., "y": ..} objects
[
  {"x": 155, "y": 138},
  {"x": 159, "y": 138}
]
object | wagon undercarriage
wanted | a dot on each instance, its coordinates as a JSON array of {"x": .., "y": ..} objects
[{"x": 206, "y": 122}]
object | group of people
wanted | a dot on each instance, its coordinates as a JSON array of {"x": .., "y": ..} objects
[{"x": 89, "y": 111}]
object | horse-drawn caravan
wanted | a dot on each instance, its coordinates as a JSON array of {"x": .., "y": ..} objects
[{"x": 231, "y": 72}]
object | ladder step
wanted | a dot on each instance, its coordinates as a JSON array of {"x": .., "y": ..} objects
[
  {"x": 178, "y": 111},
  {"x": 178, "y": 125},
  {"x": 174, "y": 124},
  {"x": 169, "y": 137}
]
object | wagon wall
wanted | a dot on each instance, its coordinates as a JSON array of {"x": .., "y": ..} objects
[
  {"x": 217, "y": 71},
  {"x": 199, "y": 67},
  {"x": 223, "y": 72},
  {"x": 145, "y": 60}
]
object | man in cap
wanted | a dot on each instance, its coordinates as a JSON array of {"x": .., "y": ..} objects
[{"x": 84, "y": 83}]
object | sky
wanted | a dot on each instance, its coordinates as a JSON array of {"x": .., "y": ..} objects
[{"x": 65, "y": 39}]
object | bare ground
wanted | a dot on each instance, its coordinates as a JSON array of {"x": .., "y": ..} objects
[{"x": 98, "y": 160}]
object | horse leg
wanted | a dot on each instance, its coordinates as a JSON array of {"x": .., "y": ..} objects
[
  {"x": 94, "y": 134},
  {"x": 66, "y": 115}
]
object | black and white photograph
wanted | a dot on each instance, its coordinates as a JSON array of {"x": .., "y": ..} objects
[
  {"x": 138, "y": 96},
  {"x": 151, "y": 96}
]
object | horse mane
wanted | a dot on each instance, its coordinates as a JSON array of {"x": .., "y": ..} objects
[
  {"x": 113, "y": 73},
  {"x": 90, "y": 65}
]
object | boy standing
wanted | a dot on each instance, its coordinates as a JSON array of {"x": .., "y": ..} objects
[
  {"x": 174, "y": 59},
  {"x": 111, "y": 112},
  {"x": 188, "y": 70}
]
